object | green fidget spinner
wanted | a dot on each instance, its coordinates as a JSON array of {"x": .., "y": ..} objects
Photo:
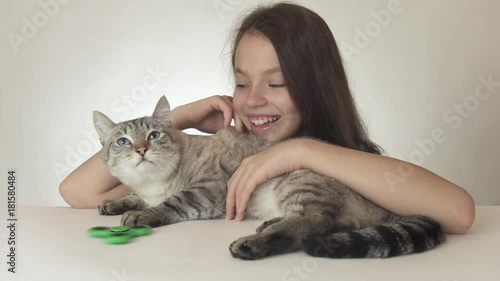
[{"x": 119, "y": 234}]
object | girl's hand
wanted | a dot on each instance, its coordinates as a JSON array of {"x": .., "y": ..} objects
[
  {"x": 276, "y": 160},
  {"x": 208, "y": 115}
]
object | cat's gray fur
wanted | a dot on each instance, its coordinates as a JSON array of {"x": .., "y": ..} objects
[{"x": 183, "y": 177}]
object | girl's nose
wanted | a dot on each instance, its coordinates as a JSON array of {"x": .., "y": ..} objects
[{"x": 256, "y": 98}]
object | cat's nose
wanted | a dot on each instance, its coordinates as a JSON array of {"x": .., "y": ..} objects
[{"x": 141, "y": 151}]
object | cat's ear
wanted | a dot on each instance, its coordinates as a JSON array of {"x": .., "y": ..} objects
[
  {"x": 162, "y": 112},
  {"x": 103, "y": 125}
]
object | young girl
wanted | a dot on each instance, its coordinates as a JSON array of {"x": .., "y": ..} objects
[{"x": 291, "y": 86}]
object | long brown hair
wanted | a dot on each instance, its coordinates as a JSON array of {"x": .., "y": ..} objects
[{"x": 313, "y": 71}]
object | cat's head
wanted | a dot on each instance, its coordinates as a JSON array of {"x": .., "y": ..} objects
[{"x": 140, "y": 150}]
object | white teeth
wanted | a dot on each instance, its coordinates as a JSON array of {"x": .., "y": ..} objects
[{"x": 264, "y": 120}]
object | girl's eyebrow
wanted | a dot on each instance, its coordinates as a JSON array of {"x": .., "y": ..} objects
[
  {"x": 273, "y": 70},
  {"x": 266, "y": 72},
  {"x": 238, "y": 70}
]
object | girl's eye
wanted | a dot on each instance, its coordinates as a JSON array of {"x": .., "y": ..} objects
[
  {"x": 241, "y": 86},
  {"x": 154, "y": 135},
  {"x": 277, "y": 85},
  {"x": 123, "y": 141}
]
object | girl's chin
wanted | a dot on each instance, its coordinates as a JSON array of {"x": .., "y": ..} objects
[{"x": 269, "y": 136}]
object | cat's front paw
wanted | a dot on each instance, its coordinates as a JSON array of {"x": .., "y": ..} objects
[
  {"x": 248, "y": 248},
  {"x": 134, "y": 218},
  {"x": 111, "y": 208}
]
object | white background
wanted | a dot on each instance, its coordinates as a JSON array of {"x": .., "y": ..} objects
[{"x": 408, "y": 74}]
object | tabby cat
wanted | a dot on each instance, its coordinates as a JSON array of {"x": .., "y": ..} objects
[{"x": 178, "y": 177}]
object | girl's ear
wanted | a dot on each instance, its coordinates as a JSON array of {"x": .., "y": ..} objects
[
  {"x": 162, "y": 111},
  {"x": 103, "y": 125}
]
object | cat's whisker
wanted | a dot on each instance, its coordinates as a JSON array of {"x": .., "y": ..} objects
[{"x": 165, "y": 163}]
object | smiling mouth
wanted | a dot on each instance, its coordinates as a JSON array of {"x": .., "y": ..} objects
[{"x": 264, "y": 121}]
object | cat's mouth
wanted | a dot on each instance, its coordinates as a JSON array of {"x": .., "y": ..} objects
[{"x": 143, "y": 161}]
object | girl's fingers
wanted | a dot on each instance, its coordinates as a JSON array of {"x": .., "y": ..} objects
[
  {"x": 244, "y": 196},
  {"x": 242, "y": 193},
  {"x": 238, "y": 124},
  {"x": 250, "y": 183},
  {"x": 230, "y": 208},
  {"x": 228, "y": 110},
  {"x": 237, "y": 192},
  {"x": 228, "y": 98},
  {"x": 231, "y": 196}
]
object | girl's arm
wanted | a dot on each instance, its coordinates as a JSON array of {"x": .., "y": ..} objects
[
  {"x": 398, "y": 186},
  {"x": 90, "y": 184}
]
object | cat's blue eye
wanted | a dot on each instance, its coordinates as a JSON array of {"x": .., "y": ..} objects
[
  {"x": 123, "y": 141},
  {"x": 154, "y": 135}
]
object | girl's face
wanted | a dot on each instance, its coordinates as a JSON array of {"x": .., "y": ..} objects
[{"x": 261, "y": 98}]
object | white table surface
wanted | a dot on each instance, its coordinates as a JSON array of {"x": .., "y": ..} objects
[{"x": 53, "y": 245}]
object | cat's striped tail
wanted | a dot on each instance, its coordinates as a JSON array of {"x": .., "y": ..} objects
[{"x": 413, "y": 234}]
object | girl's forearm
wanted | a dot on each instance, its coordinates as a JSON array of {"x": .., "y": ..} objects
[
  {"x": 178, "y": 121},
  {"x": 90, "y": 184},
  {"x": 401, "y": 187}
]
